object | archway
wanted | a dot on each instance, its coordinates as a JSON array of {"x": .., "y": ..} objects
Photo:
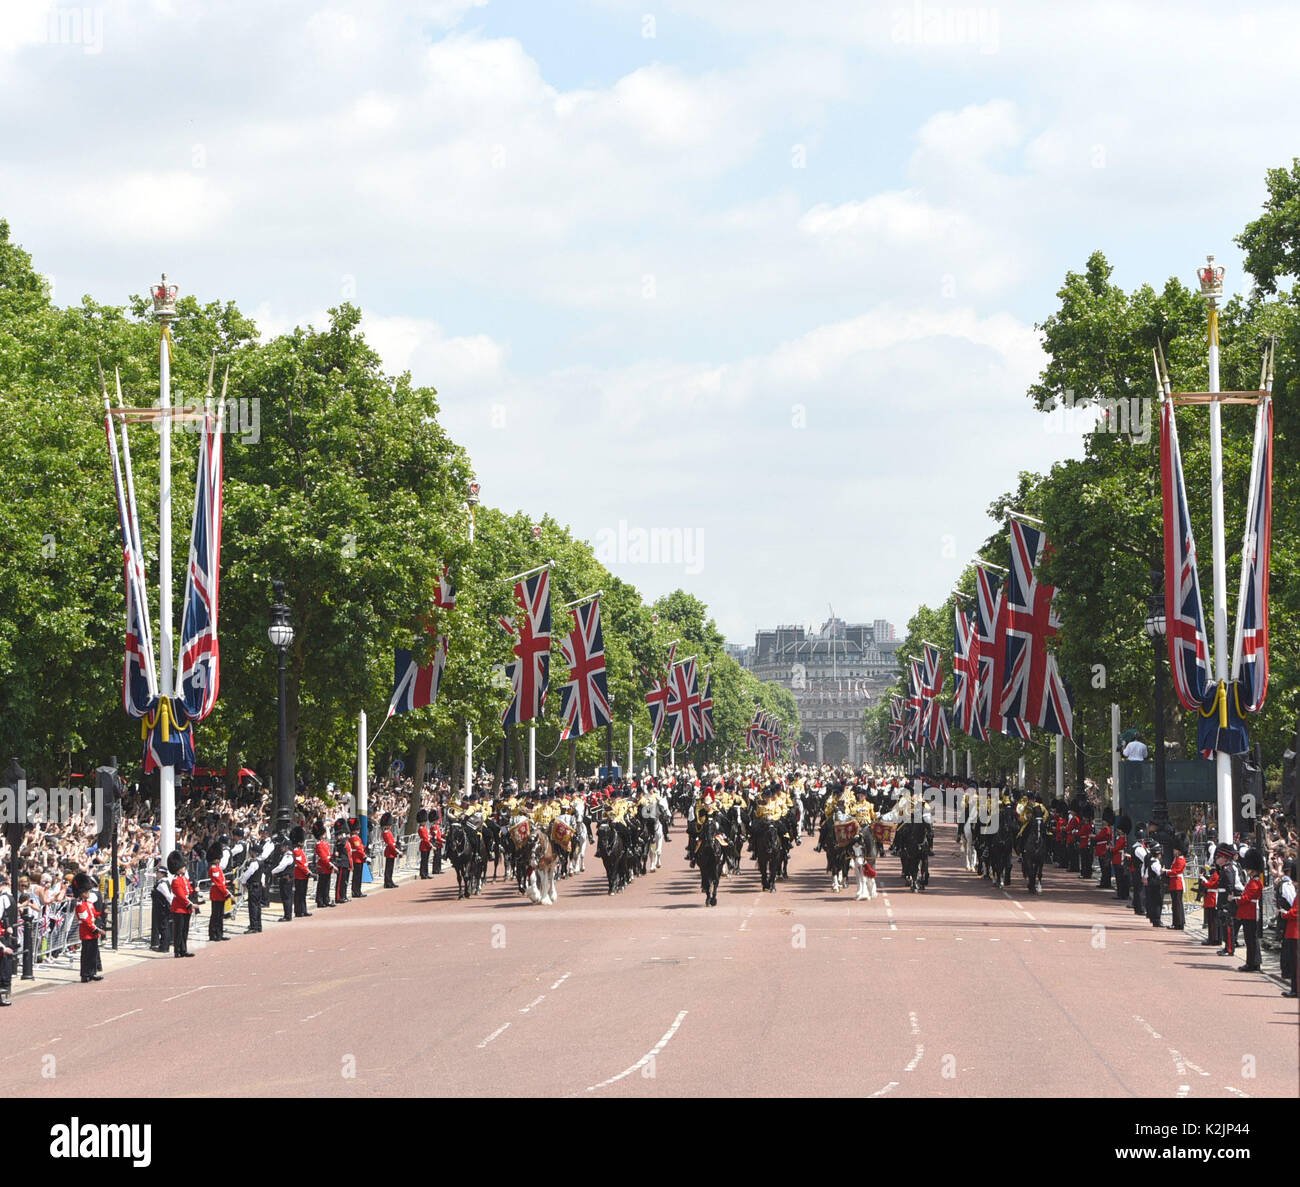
[{"x": 835, "y": 748}]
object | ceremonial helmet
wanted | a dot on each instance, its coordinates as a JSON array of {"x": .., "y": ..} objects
[
  {"x": 318, "y": 828},
  {"x": 422, "y": 816},
  {"x": 82, "y": 882},
  {"x": 175, "y": 862},
  {"x": 214, "y": 853},
  {"x": 1124, "y": 823},
  {"x": 1253, "y": 861},
  {"x": 386, "y": 820},
  {"x": 1223, "y": 849},
  {"x": 297, "y": 835}
]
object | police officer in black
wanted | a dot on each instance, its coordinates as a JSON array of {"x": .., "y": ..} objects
[
  {"x": 160, "y": 931},
  {"x": 8, "y": 942},
  {"x": 280, "y": 867},
  {"x": 253, "y": 879}
]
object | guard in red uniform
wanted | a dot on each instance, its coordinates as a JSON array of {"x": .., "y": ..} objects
[
  {"x": 301, "y": 872},
  {"x": 183, "y": 904},
  {"x": 426, "y": 841},
  {"x": 1101, "y": 849},
  {"x": 358, "y": 857},
  {"x": 1210, "y": 891},
  {"x": 1072, "y": 842},
  {"x": 88, "y": 929},
  {"x": 435, "y": 831},
  {"x": 1290, "y": 943},
  {"x": 1176, "y": 868},
  {"x": 390, "y": 850},
  {"x": 1085, "y": 844},
  {"x": 218, "y": 893},
  {"x": 1058, "y": 837},
  {"x": 324, "y": 867},
  {"x": 1118, "y": 848},
  {"x": 1248, "y": 908}
]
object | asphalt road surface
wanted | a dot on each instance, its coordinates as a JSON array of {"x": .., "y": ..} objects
[{"x": 963, "y": 990}]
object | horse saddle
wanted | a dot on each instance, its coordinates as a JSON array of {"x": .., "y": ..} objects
[
  {"x": 561, "y": 835},
  {"x": 649, "y": 811},
  {"x": 519, "y": 832},
  {"x": 845, "y": 833}
]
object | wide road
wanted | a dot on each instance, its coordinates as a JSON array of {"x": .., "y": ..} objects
[{"x": 964, "y": 990}]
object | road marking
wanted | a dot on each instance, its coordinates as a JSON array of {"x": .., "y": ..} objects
[
  {"x": 1184, "y": 1089},
  {"x": 647, "y": 1057},
  {"x": 196, "y": 989},
  {"x": 535, "y": 1002},
  {"x": 1151, "y": 1030},
  {"x": 916, "y": 1026},
  {"x": 108, "y": 1020},
  {"x": 499, "y": 1031},
  {"x": 562, "y": 980},
  {"x": 1200, "y": 1071},
  {"x": 920, "y": 1051},
  {"x": 886, "y": 1088},
  {"x": 1236, "y": 1091}
]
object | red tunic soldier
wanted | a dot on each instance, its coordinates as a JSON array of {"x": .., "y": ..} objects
[
  {"x": 324, "y": 867},
  {"x": 301, "y": 872},
  {"x": 183, "y": 904},
  {"x": 358, "y": 857},
  {"x": 218, "y": 893},
  {"x": 1176, "y": 869},
  {"x": 1101, "y": 850},
  {"x": 1248, "y": 909},
  {"x": 390, "y": 850},
  {"x": 426, "y": 841},
  {"x": 88, "y": 930}
]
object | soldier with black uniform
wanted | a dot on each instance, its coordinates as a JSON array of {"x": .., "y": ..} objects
[
  {"x": 280, "y": 865},
  {"x": 253, "y": 880},
  {"x": 8, "y": 942},
  {"x": 1155, "y": 884}
]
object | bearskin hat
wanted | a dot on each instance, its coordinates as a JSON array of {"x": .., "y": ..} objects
[
  {"x": 214, "y": 853},
  {"x": 1253, "y": 861},
  {"x": 386, "y": 820},
  {"x": 297, "y": 835},
  {"x": 355, "y": 829},
  {"x": 1108, "y": 814},
  {"x": 318, "y": 828},
  {"x": 175, "y": 862},
  {"x": 1179, "y": 842},
  {"x": 340, "y": 826},
  {"x": 83, "y": 882},
  {"x": 422, "y": 816},
  {"x": 1124, "y": 822}
]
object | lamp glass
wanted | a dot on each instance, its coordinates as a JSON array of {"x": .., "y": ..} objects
[{"x": 280, "y": 634}]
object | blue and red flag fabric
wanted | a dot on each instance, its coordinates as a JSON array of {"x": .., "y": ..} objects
[
  {"x": 415, "y": 686},
  {"x": 530, "y": 673},
  {"x": 1189, "y": 648},
  {"x": 990, "y": 631},
  {"x": 683, "y": 703},
  {"x": 584, "y": 700},
  {"x": 1032, "y": 685},
  {"x": 895, "y": 725},
  {"x": 965, "y": 674},
  {"x": 706, "y": 712},
  {"x": 198, "y": 666},
  {"x": 931, "y": 687},
  {"x": 1251, "y": 653},
  {"x": 657, "y": 698}
]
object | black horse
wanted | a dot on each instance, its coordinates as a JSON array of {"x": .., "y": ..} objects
[
  {"x": 769, "y": 851},
  {"x": 465, "y": 849},
  {"x": 1000, "y": 849},
  {"x": 709, "y": 857},
  {"x": 1033, "y": 853},
  {"x": 611, "y": 850},
  {"x": 913, "y": 841}
]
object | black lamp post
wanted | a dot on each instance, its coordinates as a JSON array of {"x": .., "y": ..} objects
[
  {"x": 1155, "y": 627},
  {"x": 281, "y": 635}
]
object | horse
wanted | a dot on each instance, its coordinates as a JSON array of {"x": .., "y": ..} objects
[
  {"x": 768, "y": 851},
  {"x": 464, "y": 849},
  {"x": 710, "y": 857},
  {"x": 862, "y": 854},
  {"x": 611, "y": 850},
  {"x": 1033, "y": 852},
  {"x": 542, "y": 861},
  {"x": 653, "y": 833},
  {"x": 1000, "y": 849},
  {"x": 837, "y": 855},
  {"x": 912, "y": 842},
  {"x": 576, "y": 859}
]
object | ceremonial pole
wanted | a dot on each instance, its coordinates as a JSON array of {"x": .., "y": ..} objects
[
  {"x": 164, "y": 310},
  {"x": 1114, "y": 758},
  {"x": 1212, "y": 290},
  {"x": 472, "y": 501},
  {"x": 363, "y": 782},
  {"x": 1060, "y": 768},
  {"x": 532, "y": 756}
]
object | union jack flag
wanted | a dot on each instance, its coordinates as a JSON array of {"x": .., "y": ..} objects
[
  {"x": 939, "y": 726},
  {"x": 932, "y": 685},
  {"x": 198, "y": 666},
  {"x": 415, "y": 686},
  {"x": 584, "y": 700},
  {"x": 684, "y": 703},
  {"x": 965, "y": 674},
  {"x": 990, "y": 626},
  {"x": 706, "y": 712},
  {"x": 914, "y": 720},
  {"x": 169, "y": 736},
  {"x": 1252, "y": 605},
  {"x": 139, "y": 676},
  {"x": 530, "y": 674},
  {"x": 1032, "y": 684},
  {"x": 1189, "y": 648},
  {"x": 895, "y": 725},
  {"x": 657, "y": 698},
  {"x": 754, "y": 734}
]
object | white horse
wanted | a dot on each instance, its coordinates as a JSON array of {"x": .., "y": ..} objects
[
  {"x": 860, "y": 862},
  {"x": 654, "y": 831},
  {"x": 577, "y": 859}
]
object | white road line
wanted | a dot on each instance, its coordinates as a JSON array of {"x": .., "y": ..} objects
[
  {"x": 196, "y": 989},
  {"x": 1200, "y": 1071},
  {"x": 500, "y": 1030},
  {"x": 1236, "y": 1091},
  {"x": 916, "y": 1026},
  {"x": 537, "y": 1001},
  {"x": 646, "y": 1058},
  {"x": 1184, "y": 1089},
  {"x": 562, "y": 980},
  {"x": 886, "y": 1088},
  {"x": 920, "y": 1051},
  {"x": 108, "y": 1020},
  {"x": 1151, "y": 1030},
  {"x": 1179, "y": 1066}
]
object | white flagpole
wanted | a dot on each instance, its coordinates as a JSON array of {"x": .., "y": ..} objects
[
  {"x": 165, "y": 312},
  {"x": 1060, "y": 768},
  {"x": 363, "y": 783},
  {"x": 1211, "y": 290},
  {"x": 532, "y": 756},
  {"x": 1114, "y": 758},
  {"x": 469, "y": 727},
  {"x": 631, "y": 760}
]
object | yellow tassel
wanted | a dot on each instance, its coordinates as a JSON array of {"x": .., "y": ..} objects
[
  {"x": 1214, "y": 326},
  {"x": 1223, "y": 705}
]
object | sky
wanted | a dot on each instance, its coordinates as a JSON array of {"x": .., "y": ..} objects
[{"x": 743, "y": 292}]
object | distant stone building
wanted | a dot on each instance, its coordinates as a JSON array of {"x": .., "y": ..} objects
[{"x": 834, "y": 674}]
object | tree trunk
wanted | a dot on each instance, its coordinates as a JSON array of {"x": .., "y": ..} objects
[
  {"x": 417, "y": 794},
  {"x": 232, "y": 766},
  {"x": 457, "y": 767}
]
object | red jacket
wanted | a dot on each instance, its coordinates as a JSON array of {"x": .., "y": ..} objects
[
  {"x": 218, "y": 892},
  {"x": 1117, "y": 851},
  {"x": 390, "y": 846},
  {"x": 87, "y": 928},
  {"x": 358, "y": 849},
  {"x": 1085, "y": 834},
  {"x": 425, "y": 842},
  {"x": 301, "y": 870},
  {"x": 1254, "y": 891},
  {"x": 1292, "y": 932},
  {"x": 1102, "y": 841},
  {"x": 1176, "y": 868},
  {"x": 181, "y": 891},
  {"x": 1211, "y": 893},
  {"x": 323, "y": 863}
]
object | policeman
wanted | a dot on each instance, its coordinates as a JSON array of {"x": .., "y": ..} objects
[
  {"x": 1155, "y": 880},
  {"x": 1227, "y": 892},
  {"x": 280, "y": 865},
  {"x": 160, "y": 932},
  {"x": 1138, "y": 858},
  {"x": 8, "y": 942},
  {"x": 253, "y": 880}
]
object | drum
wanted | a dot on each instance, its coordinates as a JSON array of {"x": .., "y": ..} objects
[{"x": 845, "y": 832}]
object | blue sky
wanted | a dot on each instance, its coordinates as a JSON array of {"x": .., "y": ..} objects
[{"x": 773, "y": 270}]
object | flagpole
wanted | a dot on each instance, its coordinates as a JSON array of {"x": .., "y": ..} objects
[
  {"x": 1060, "y": 768},
  {"x": 472, "y": 502},
  {"x": 532, "y": 756},
  {"x": 164, "y": 312},
  {"x": 1212, "y": 290}
]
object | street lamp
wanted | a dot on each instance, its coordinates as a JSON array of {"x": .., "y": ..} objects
[
  {"x": 281, "y": 635},
  {"x": 1155, "y": 627}
]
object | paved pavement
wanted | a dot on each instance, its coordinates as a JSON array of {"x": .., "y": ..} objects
[{"x": 963, "y": 990}]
